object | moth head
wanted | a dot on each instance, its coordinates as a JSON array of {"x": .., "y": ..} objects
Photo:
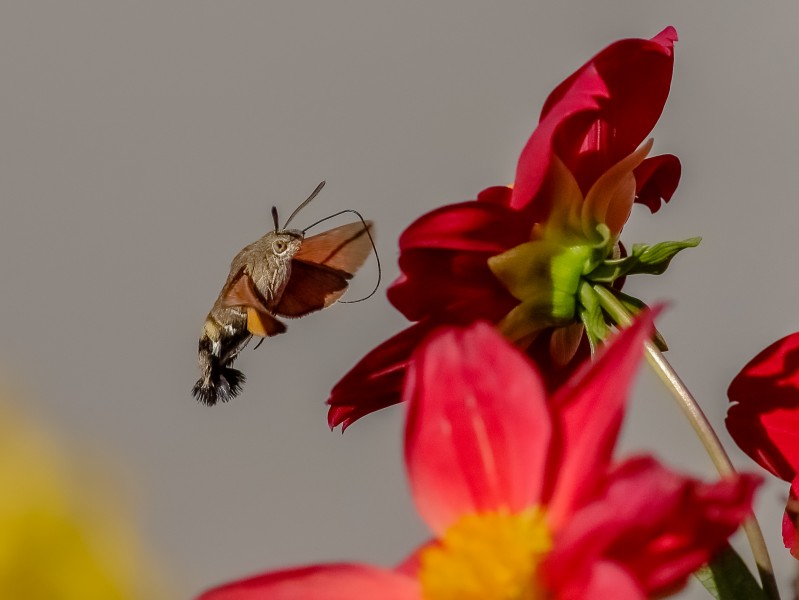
[{"x": 285, "y": 244}]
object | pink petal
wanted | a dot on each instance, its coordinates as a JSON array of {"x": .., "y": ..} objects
[
  {"x": 376, "y": 381},
  {"x": 603, "y": 580},
  {"x": 790, "y": 519},
  {"x": 588, "y": 412},
  {"x": 321, "y": 582},
  {"x": 656, "y": 524},
  {"x": 597, "y": 116},
  {"x": 411, "y": 565},
  {"x": 478, "y": 426},
  {"x": 764, "y": 421},
  {"x": 656, "y": 180}
]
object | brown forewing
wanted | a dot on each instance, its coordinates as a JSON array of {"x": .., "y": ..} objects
[
  {"x": 343, "y": 248},
  {"x": 311, "y": 287},
  {"x": 321, "y": 268}
]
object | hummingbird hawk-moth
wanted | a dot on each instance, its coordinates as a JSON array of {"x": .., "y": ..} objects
[{"x": 283, "y": 274}]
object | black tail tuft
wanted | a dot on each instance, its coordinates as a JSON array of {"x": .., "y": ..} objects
[{"x": 223, "y": 384}]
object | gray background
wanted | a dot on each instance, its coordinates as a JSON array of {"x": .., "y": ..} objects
[{"x": 143, "y": 143}]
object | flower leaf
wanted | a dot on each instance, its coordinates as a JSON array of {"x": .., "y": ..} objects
[
  {"x": 653, "y": 260},
  {"x": 728, "y": 578}
]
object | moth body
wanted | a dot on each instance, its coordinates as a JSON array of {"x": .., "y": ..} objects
[
  {"x": 281, "y": 274},
  {"x": 218, "y": 348},
  {"x": 267, "y": 264}
]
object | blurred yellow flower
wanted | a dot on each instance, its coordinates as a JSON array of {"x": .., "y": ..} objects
[{"x": 63, "y": 533}]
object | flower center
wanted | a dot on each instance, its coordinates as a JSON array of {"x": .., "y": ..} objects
[{"x": 490, "y": 556}]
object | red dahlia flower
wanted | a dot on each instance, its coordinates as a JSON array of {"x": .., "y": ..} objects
[
  {"x": 526, "y": 257},
  {"x": 764, "y": 420},
  {"x": 519, "y": 489}
]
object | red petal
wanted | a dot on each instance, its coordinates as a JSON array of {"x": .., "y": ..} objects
[
  {"x": 478, "y": 426},
  {"x": 472, "y": 226},
  {"x": 764, "y": 421},
  {"x": 376, "y": 381},
  {"x": 498, "y": 194},
  {"x": 790, "y": 520},
  {"x": 656, "y": 180},
  {"x": 597, "y": 116},
  {"x": 552, "y": 372},
  {"x": 530, "y": 194},
  {"x": 453, "y": 286},
  {"x": 636, "y": 75},
  {"x": 656, "y": 524},
  {"x": 588, "y": 413},
  {"x": 443, "y": 259},
  {"x": 321, "y": 582}
]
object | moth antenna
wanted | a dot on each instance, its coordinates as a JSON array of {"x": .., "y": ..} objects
[
  {"x": 274, "y": 217},
  {"x": 305, "y": 203},
  {"x": 258, "y": 345},
  {"x": 371, "y": 241}
]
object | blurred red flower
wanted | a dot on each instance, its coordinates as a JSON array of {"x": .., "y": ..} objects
[
  {"x": 520, "y": 492},
  {"x": 764, "y": 420},
  {"x": 494, "y": 258}
]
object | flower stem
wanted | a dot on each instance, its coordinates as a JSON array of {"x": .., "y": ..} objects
[{"x": 691, "y": 409}]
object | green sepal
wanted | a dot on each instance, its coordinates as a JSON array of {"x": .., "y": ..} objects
[
  {"x": 634, "y": 306},
  {"x": 728, "y": 578},
  {"x": 600, "y": 249},
  {"x": 546, "y": 274},
  {"x": 526, "y": 270},
  {"x": 591, "y": 315},
  {"x": 567, "y": 268},
  {"x": 653, "y": 260},
  {"x": 531, "y": 316}
]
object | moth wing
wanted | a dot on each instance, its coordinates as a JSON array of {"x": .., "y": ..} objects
[
  {"x": 322, "y": 266},
  {"x": 310, "y": 288},
  {"x": 343, "y": 248},
  {"x": 263, "y": 324},
  {"x": 242, "y": 292}
]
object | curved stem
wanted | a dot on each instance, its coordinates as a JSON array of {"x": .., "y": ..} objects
[
  {"x": 691, "y": 409},
  {"x": 718, "y": 455}
]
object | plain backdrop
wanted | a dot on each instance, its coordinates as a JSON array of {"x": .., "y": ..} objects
[{"x": 142, "y": 144}]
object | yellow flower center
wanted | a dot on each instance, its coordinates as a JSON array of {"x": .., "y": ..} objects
[{"x": 491, "y": 556}]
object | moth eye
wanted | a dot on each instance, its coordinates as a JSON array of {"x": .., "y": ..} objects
[{"x": 279, "y": 246}]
